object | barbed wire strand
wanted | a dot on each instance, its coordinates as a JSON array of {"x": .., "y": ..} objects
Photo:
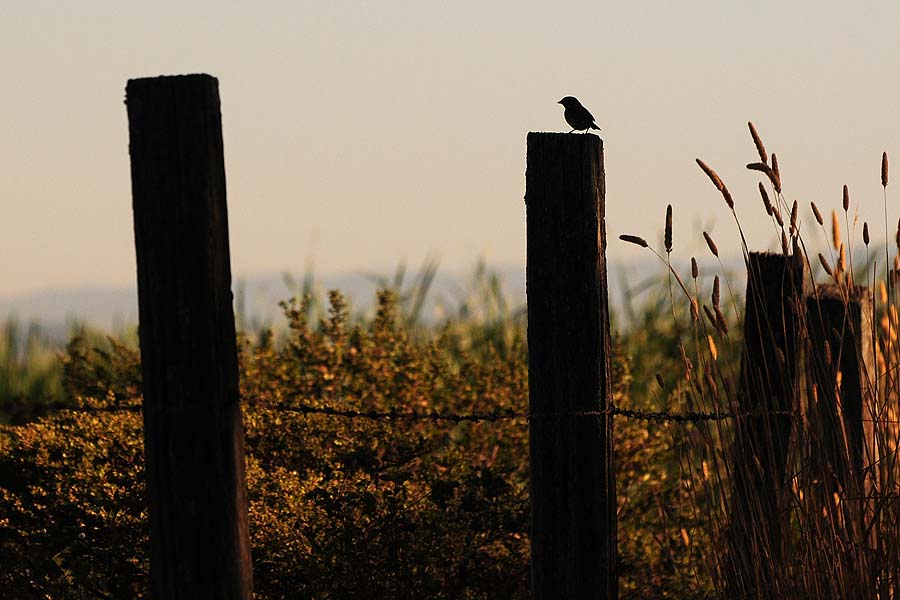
[
  {"x": 509, "y": 414},
  {"x": 436, "y": 416}
]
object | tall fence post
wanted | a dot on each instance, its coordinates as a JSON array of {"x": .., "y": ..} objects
[
  {"x": 841, "y": 362},
  {"x": 573, "y": 497},
  {"x": 769, "y": 383},
  {"x": 193, "y": 436}
]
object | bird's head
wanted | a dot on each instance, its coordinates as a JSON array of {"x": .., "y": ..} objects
[{"x": 568, "y": 101}]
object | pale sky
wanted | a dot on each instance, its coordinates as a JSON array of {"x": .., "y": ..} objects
[{"x": 363, "y": 133}]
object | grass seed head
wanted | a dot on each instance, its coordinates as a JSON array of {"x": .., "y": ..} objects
[
  {"x": 727, "y": 195},
  {"x": 713, "y": 176},
  {"x": 721, "y": 323},
  {"x": 835, "y": 230},
  {"x": 884, "y": 169},
  {"x": 794, "y": 215},
  {"x": 695, "y": 270},
  {"x": 825, "y": 265},
  {"x": 846, "y": 199},
  {"x": 710, "y": 316},
  {"x": 765, "y": 198},
  {"x": 668, "y": 233},
  {"x": 767, "y": 170},
  {"x": 633, "y": 239},
  {"x": 715, "y": 291},
  {"x": 712, "y": 245},
  {"x": 777, "y": 214},
  {"x": 897, "y": 234},
  {"x": 711, "y": 383},
  {"x": 817, "y": 214},
  {"x": 776, "y": 173},
  {"x": 757, "y": 141},
  {"x": 712, "y": 348},
  {"x": 865, "y": 233}
]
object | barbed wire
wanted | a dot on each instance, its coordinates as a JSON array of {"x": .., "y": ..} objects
[
  {"x": 393, "y": 414},
  {"x": 433, "y": 415},
  {"x": 509, "y": 414}
]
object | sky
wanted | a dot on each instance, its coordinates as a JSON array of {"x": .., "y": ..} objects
[{"x": 359, "y": 134}]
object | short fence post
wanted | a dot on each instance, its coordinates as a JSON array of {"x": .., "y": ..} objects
[
  {"x": 769, "y": 382},
  {"x": 841, "y": 362},
  {"x": 573, "y": 497},
  {"x": 193, "y": 436}
]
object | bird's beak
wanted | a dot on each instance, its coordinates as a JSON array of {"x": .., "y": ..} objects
[{"x": 560, "y": 102}]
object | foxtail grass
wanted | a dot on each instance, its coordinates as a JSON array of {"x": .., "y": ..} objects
[{"x": 837, "y": 530}]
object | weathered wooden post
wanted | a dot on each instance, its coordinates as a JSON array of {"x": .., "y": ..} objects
[
  {"x": 573, "y": 497},
  {"x": 193, "y": 436},
  {"x": 841, "y": 362},
  {"x": 842, "y": 413},
  {"x": 769, "y": 383}
]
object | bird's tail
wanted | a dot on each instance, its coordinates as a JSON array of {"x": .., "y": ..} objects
[{"x": 593, "y": 126}]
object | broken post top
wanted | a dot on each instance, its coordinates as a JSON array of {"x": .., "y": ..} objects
[
  {"x": 772, "y": 263},
  {"x": 841, "y": 293}
]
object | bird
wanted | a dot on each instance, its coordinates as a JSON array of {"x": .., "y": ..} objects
[{"x": 576, "y": 115}]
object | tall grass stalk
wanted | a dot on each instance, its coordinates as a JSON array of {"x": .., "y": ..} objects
[{"x": 837, "y": 532}]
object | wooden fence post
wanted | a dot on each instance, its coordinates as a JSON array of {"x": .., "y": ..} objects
[
  {"x": 841, "y": 362},
  {"x": 573, "y": 497},
  {"x": 769, "y": 382},
  {"x": 193, "y": 436}
]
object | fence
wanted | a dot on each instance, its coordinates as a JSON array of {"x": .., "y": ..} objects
[{"x": 193, "y": 433}]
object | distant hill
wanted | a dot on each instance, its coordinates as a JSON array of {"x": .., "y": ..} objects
[{"x": 257, "y": 297}]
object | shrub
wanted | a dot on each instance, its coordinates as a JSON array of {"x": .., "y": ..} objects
[{"x": 340, "y": 508}]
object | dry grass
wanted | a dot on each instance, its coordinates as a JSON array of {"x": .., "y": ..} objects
[{"x": 798, "y": 496}]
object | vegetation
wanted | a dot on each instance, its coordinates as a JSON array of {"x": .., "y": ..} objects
[
  {"x": 834, "y": 488},
  {"x": 339, "y": 507},
  {"x": 30, "y": 372},
  {"x": 358, "y": 508}
]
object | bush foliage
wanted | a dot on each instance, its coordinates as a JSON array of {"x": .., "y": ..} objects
[{"x": 340, "y": 508}]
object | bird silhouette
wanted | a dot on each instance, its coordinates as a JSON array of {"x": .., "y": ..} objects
[{"x": 577, "y": 116}]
